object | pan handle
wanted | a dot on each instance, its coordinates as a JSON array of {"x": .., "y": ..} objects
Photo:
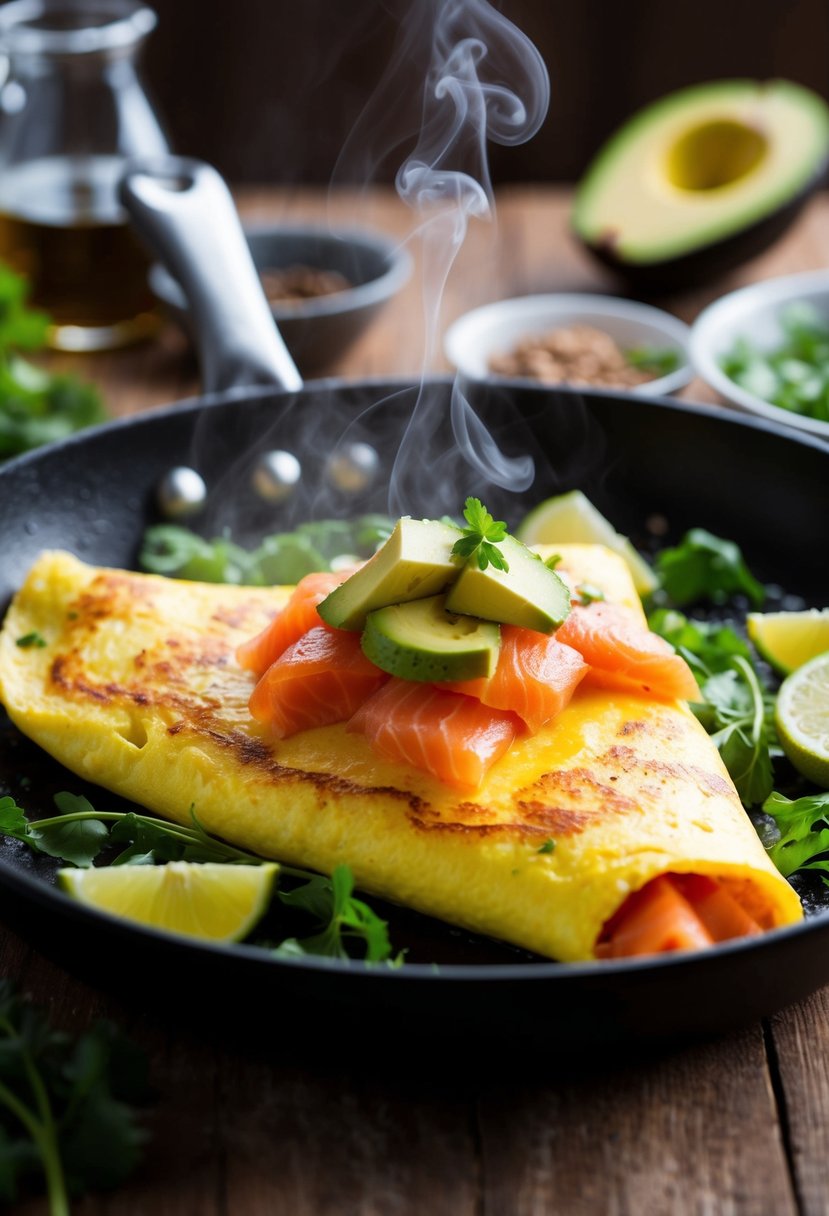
[{"x": 183, "y": 210}]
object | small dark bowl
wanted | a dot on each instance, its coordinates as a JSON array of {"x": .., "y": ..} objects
[{"x": 317, "y": 331}]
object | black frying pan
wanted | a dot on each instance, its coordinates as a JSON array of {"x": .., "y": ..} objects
[{"x": 95, "y": 493}]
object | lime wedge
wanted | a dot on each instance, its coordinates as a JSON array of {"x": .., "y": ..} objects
[
  {"x": 218, "y": 903},
  {"x": 787, "y": 640},
  {"x": 802, "y": 718},
  {"x": 572, "y": 519}
]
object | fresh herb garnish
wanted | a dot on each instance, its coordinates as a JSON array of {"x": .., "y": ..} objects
[
  {"x": 800, "y": 833},
  {"x": 738, "y": 716},
  {"x": 66, "y": 1105},
  {"x": 588, "y": 593},
  {"x": 282, "y": 558},
  {"x": 340, "y": 917},
  {"x": 548, "y": 846},
  {"x": 706, "y": 646},
  {"x": 795, "y": 374},
  {"x": 80, "y": 835},
  {"x": 481, "y": 537},
  {"x": 30, "y": 639},
  {"x": 705, "y": 567},
  {"x": 737, "y": 709},
  {"x": 35, "y": 407},
  {"x": 654, "y": 359}
]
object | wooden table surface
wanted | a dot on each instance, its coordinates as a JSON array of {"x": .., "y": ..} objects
[{"x": 738, "y": 1125}]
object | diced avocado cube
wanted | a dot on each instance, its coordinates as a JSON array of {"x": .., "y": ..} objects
[
  {"x": 529, "y": 594},
  {"x": 415, "y": 562},
  {"x": 420, "y": 640}
]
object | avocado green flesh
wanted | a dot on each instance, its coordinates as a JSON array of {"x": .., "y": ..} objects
[
  {"x": 416, "y": 561},
  {"x": 420, "y": 640},
  {"x": 700, "y": 166},
  {"x": 529, "y": 594}
]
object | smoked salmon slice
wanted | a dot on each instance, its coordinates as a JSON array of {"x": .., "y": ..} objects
[
  {"x": 674, "y": 912},
  {"x": 323, "y": 677},
  {"x": 296, "y": 618},
  {"x": 623, "y": 653},
  {"x": 535, "y": 677},
  {"x": 453, "y": 737}
]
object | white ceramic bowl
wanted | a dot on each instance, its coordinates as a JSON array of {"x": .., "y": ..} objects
[
  {"x": 754, "y": 312},
  {"x": 496, "y": 328}
]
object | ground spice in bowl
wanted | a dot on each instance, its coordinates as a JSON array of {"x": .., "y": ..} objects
[
  {"x": 579, "y": 355},
  {"x": 293, "y": 284}
]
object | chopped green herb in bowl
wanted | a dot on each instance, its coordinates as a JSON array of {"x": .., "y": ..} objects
[{"x": 794, "y": 374}]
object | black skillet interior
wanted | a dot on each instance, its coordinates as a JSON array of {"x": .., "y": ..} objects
[{"x": 95, "y": 494}]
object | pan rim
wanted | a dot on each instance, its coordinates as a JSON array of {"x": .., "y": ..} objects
[{"x": 45, "y": 893}]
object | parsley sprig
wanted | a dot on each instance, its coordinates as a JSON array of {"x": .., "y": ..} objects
[
  {"x": 66, "y": 1105},
  {"x": 481, "y": 537}
]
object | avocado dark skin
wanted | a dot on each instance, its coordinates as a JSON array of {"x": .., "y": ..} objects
[{"x": 710, "y": 262}]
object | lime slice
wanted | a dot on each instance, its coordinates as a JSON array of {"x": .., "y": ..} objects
[
  {"x": 572, "y": 519},
  {"x": 802, "y": 718},
  {"x": 787, "y": 640},
  {"x": 218, "y": 903}
]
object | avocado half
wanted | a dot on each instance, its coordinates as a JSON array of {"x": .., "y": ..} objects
[{"x": 702, "y": 180}]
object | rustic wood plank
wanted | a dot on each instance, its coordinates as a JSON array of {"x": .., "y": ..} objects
[
  {"x": 692, "y": 1133},
  {"x": 801, "y": 1047},
  {"x": 313, "y": 1138}
]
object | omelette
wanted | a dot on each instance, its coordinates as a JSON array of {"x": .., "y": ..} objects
[{"x": 138, "y": 689}]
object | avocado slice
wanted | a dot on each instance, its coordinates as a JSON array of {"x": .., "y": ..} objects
[
  {"x": 529, "y": 594},
  {"x": 703, "y": 179},
  {"x": 416, "y": 561},
  {"x": 420, "y": 640}
]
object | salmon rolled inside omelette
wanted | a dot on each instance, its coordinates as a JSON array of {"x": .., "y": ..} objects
[{"x": 605, "y": 825}]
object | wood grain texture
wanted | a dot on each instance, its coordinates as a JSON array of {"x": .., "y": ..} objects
[
  {"x": 239, "y": 1130},
  {"x": 691, "y": 1132}
]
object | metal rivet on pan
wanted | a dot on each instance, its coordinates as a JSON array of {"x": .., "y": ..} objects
[
  {"x": 276, "y": 475},
  {"x": 353, "y": 467},
  {"x": 181, "y": 493}
]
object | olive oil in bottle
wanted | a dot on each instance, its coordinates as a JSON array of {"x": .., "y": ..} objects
[{"x": 61, "y": 226}]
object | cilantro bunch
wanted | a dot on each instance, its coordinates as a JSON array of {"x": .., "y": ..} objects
[
  {"x": 66, "y": 1105},
  {"x": 35, "y": 407}
]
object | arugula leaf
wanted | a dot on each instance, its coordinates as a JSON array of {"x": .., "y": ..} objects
[
  {"x": 341, "y": 917},
  {"x": 737, "y": 713},
  {"x": 704, "y": 566},
  {"x": 802, "y": 832},
  {"x": 481, "y": 538},
  {"x": 66, "y": 1105},
  {"x": 706, "y": 646}
]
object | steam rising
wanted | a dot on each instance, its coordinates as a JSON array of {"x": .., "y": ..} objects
[{"x": 485, "y": 81}]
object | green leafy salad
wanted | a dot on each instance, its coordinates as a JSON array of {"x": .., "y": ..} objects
[{"x": 793, "y": 375}]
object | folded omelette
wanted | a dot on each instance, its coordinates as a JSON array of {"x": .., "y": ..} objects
[{"x": 137, "y": 689}]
